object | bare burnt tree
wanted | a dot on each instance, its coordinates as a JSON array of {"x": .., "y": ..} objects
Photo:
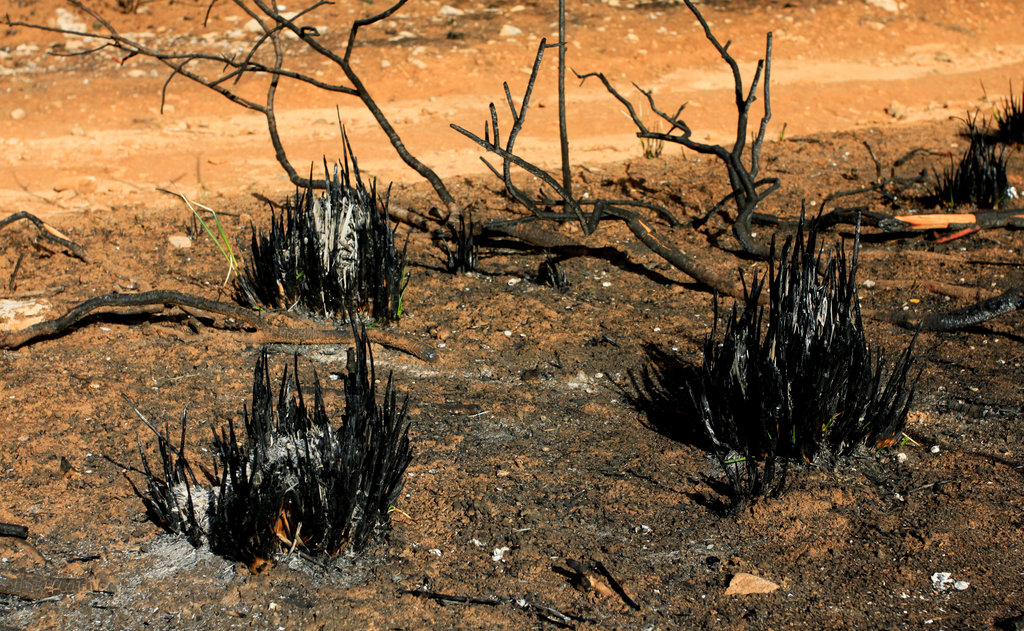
[
  {"x": 747, "y": 190},
  {"x": 267, "y": 57},
  {"x": 559, "y": 204}
]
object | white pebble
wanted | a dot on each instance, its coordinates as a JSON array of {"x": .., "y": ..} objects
[{"x": 934, "y": 449}]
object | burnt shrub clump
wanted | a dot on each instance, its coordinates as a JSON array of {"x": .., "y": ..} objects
[
  {"x": 979, "y": 179},
  {"x": 295, "y": 481},
  {"x": 794, "y": 380},
  {"x": 1010, "y": 119},
  {"x": 328, "y": 252}
]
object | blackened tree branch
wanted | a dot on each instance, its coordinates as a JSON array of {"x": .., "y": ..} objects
[{"x": 747, "y": 190}]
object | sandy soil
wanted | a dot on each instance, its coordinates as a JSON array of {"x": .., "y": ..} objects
[{"x": 526, "y": 430}]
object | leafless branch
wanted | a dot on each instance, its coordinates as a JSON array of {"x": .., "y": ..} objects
[
  {"x": 747, "y": 190},
  {"x": 573, "y": 207},
  {"x": 271, "y": 327}
]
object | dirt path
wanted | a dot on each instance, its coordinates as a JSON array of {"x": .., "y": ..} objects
[{"x": 88, "y": 133}]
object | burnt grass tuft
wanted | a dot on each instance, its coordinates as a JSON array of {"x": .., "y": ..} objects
[
  {"x": 295, "y": 481},
  {"x": 795, "y": 381},
  {"x": 465, "y": 256},
  {"x": 979, "y": 178},
  {"x": 326, "y": 253},
  {"x": 1010, "y": 119}
]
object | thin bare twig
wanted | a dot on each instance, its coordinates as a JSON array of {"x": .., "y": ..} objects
[{"x": 747, "y": 190}]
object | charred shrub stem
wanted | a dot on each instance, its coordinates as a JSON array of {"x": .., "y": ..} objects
[
  {"x": 465, "y": 256},
  {"x": 795, "y": 380},
  {"x": 1010, "y": 119}
]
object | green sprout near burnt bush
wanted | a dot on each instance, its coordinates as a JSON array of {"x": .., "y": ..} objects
[
  {"x": 296, "y": 481},
  {"x": 795, "y": 381}
]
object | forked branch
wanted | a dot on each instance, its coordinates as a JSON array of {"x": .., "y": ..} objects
[{"x": 747, "y": 190}]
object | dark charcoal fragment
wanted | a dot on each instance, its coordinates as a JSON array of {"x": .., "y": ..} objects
[
  {"x": 295, "y": 480},
  {"x": 328, "y": 253},
  {"x": 551, "y": 273},
  {"x": 795, "y": 381}
]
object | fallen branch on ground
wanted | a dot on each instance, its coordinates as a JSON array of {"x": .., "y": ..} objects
[
  {"x": 1009, "y": 301},
  {"x": 13, "y": 530},
  {"x": 49, "y": 233},
  {"x": 1010, "y": 218},
  {"x": 550, "y": 614},
  {"x": 271, "y": 327}
]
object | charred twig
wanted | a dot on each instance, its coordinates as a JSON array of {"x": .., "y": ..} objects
[
  {"x": 49, "y": 233},
  {"x": 747, "y": 190},
  {"x": 13, "y": 530},
  {"x": 552, "y": 615},
  {"x": 273, "y": 328},
  {"x": 1009, "y": 301},
  {"x": 890, "y": 187},
  {"x": 616, "y": 586},
  {"x": 14, "y": 272}
]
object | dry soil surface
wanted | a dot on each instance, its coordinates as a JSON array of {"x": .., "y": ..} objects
[{"x": 532, "y": 446}]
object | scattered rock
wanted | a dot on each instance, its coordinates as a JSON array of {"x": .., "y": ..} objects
[
  {"x": 892, "y": 6},
  {"x": 510, "y": 31},
  {"x": 179, "y": 241},
  {"x": 16, "y": 315},
  {"x": 451, "y": 11},
  {"x": 897, "y": 110},
  {"x": 68, "y": 21},
  {"x": 17, "y": 113},
  {"x": 743, "y": 583},
  {"x": 81, "y": 184}
]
